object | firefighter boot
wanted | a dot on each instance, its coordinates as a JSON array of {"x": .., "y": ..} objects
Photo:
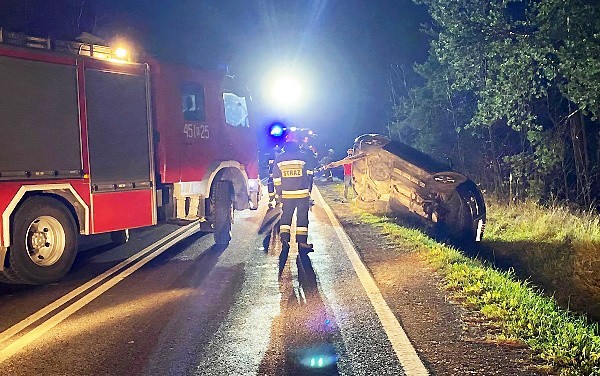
[{"x": 305, "y": 247}]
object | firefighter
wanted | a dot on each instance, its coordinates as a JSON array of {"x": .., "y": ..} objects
[{"x": 293, "y": 178}]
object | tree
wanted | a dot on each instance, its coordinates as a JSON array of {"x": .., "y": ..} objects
[{"x": 524, "y": 78}]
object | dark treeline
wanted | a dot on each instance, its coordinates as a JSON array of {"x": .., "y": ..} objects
[
  {"x": 194, "y": 32},
  {"x": 67, "y": 19},
  {"x": 511, "y": 95}
]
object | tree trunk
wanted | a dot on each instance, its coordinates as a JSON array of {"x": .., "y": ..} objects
[
  {"x": 579, "y": 140},
  {"x": 497, "y": 178},
  {"x": 565, "y": 179}
]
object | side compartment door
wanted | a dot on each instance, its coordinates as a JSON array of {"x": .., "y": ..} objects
[
  {"x": 39, "y": 122},
  {"x": 121, "y": 165}
]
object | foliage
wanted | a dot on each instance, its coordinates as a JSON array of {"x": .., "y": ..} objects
[
  {"x": 518, "y": 81},
  {"x": 570, "y": 30}
]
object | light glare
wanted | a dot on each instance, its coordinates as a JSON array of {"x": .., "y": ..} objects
[
  {"x": 286, "y": 91},
  {"x": 121, "y": 53}
]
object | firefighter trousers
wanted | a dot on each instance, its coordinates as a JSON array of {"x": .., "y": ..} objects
[{"x": 301, "y": 207}]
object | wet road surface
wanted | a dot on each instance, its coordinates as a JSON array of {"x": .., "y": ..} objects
[{"x": 197, "y": 309}]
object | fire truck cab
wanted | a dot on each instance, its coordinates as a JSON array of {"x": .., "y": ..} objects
[{"x": 91, "y": 143}]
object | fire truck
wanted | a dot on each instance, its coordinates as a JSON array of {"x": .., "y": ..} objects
[{"x": 92, "y": 142}]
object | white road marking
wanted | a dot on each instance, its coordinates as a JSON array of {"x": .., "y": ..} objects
[
  {"x": 51, "y": 322},
  {"x": 406, "y": 353}
]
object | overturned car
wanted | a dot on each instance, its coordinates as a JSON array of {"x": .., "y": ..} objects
[{"x": 394, "y": 177}]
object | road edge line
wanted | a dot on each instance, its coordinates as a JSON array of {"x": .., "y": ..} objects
[{"x": 405, "y": 351}]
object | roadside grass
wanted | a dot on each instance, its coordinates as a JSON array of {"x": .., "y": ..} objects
[
  {"x": 556, "y": 247},
  {"x": 531, "y": 221},
  {"x": 566, "y": 340}
]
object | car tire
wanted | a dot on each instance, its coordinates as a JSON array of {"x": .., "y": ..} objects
[
  {"x": 459, "y": 220},
  {"x": 475, "y": 209}
]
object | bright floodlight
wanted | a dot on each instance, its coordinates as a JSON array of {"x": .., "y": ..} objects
[
  {"x": 121, "y": 53},
  {"x": 286, "y": 91}
]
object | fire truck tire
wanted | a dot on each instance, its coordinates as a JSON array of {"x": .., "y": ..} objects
[
  {"x": 254, "y": 200},
  {"x": 44, "y": 242},
  {"x": 4, "y": 278},
  {"x": 119, "y": 237},
  {"x": 222, "y": 201}
]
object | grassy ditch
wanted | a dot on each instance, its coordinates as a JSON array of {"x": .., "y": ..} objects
[
  {"x": 555, "y": 247},
  {"x": 567, "y": 341}
]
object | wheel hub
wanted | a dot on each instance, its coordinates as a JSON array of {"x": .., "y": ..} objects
[
  {"x": 38, "y": 240},
  {"x": 45, "y": 241}
]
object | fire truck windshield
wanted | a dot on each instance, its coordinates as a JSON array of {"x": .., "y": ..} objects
[{"x": 236, "y": 111}]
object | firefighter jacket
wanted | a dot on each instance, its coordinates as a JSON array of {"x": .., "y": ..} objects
[{"x": 293, "y": 173}]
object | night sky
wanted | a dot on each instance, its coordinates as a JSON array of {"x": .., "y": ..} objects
[{"x": 342, "y": 50}]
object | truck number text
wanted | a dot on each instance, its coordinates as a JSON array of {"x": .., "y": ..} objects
[{"x": 196, "y": 131}]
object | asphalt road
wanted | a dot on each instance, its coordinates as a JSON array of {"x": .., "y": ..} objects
[{"x": 191, "y": 308}]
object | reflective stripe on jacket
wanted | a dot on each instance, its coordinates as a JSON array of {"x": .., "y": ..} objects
[{"x": 293, "y": 173}]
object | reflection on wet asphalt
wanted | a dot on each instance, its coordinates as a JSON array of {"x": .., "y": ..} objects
[
  {"x": 256, "y": 310},
  {"x": 306, "y": 329},
  {"x": 312, "y": 350}
]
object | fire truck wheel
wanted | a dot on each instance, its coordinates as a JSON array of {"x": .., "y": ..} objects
[
  {"x": 119, "y": 237},
  {"x": 254, "y": 200},
  {"x": 222, "y": 202},
  {"x": 44, "y": 242},
  {"x": 4, "y": 278}
]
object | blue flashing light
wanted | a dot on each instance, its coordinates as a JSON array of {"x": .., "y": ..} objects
[{"x": 276, "y": 130}]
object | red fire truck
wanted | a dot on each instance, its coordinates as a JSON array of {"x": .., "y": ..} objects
[{"x": 92, "y": 143}]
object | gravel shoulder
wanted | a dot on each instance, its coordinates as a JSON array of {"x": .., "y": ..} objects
[{"x": 450, "y": 338}]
